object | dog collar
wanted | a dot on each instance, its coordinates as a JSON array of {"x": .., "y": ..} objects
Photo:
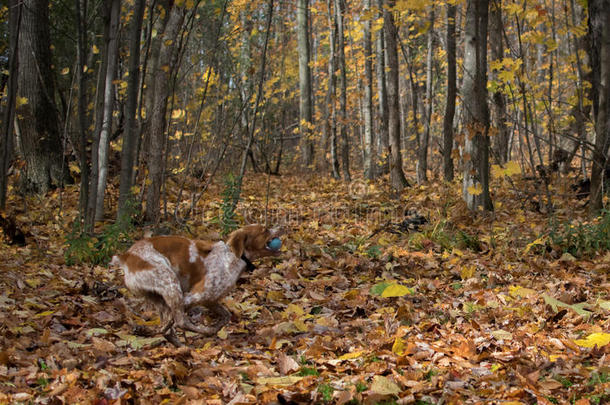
[{"x": 249, "y": 265}]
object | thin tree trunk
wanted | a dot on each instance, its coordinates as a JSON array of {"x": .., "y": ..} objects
[
  {"x": 499, "y": 103},
  {"x": 339, "y": 13},
  {"x": 369, "y": 151},
  {"x": 332, "y": 89},
  {"x": 305, "y": 96},
  {"x": 162, "y": 73},
  {"x": 475, "y": 186},
  {"x": 259, "y": 95},
  {"x": 130, "y": 139},
  {"x": 422, "y": 152},
  {"x": 451, "y": 94},
  {"x": 397, "y": 177},
  {"x": 382, "y": 96},
  {"x": 6, "y": 142},
  {"x": 599, "y": 23},
  {"x": 113, "y": 56},
  {"x": 83, "y": 122}
]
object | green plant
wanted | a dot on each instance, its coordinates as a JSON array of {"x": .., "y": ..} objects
[
  {"x": 361, "y": 386},
  {"x": 464, "y": 240},
  {"x": 305, "y": 371},
  {"x": 599, "y": 378},
  {"x": 82, "y": 247},
  {"x": 327, "y": 392},
  {"x": 581, "y": 239},
  {"x": 230, "y": 197}
]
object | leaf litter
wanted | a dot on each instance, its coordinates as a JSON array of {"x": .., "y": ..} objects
[{"x": 349, "y": 314}]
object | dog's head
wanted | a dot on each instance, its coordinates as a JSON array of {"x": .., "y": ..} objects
[{"x": 255, "y": 241}]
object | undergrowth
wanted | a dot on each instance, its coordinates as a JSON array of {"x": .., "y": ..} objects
[
  {"x": 581, "y": 238},
  {"x": 227, "y": 218},
  {"x": 83, "y": 247}
]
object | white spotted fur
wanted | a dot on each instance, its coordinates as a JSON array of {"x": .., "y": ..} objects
[{"x": 223, "y": 270}]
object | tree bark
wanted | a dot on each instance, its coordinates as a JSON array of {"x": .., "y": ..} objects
[
  {"x": 305, "y": 100},
  {"x": 451, "y": 94},
  {"x": 475, "y": 186},
  {"x": 599, "y": 24},
  {"x": 339, "y": 12},
  {"x": 6, "y": 142},
  {"x": 83, "y": 117},
  {"x": 422, "y": 152},
  {"x": 499, "y": 103},
  {"x": 112, "y": 56},
  {"x": 397, "y": 177},
  {"x": 163, "y": 70},
  {"x": 369, "y": 151},
  {"x": 130, "y": 139},
  {"x": 37, "y": 117},
  {"x": 332, "y": 89},
  {"x": 382, "y": 96}
]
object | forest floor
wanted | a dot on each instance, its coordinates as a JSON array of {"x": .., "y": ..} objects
[{"x": 463, "y": 310}]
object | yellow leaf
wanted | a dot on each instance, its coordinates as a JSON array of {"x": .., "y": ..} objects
[
  {"x": 384, "y": 386},
  {"x": 512, "y": 167},
  {"x": 398, "y": 347},
  {"x": 21, "y": 101},
  {"x": 96, "y": 50},
  {"x": 65, "y": 71},
  {"x": 475, "y": 190},
  {"x": 396, "y": 290},
  {"x": 595, "y": 339},
  {"x": 33, "y": 282},
  {"x": 276, "y": 296},
  {"x": 518, "y": 291},
  {"x": 176, "y": 114},
  {"x": 222, "y": 333},
  {"x": 287, "y": 380},
  {"x": 467, "y": 272},
  {"x": 352, "y": 355},
  {"x": 294, "y": 309},
  {"x": 540, "y": 241},
  {"x": 43, "y": 314},
  {"x": 301, "y": 325}
]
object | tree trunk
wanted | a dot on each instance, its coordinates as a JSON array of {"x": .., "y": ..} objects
[
  {"x": 162, "y": 72},
  {"x": 599, "y": 25},
  {"x": 38, "y": 119},
  {"x": 130, "y": 139},
  {"x": 475, "y": 186},
  {"x": 451, "y": 94},
  {"x": 6, "y": 142},
  {"x": 83, "y": 116},
  {"x": 339, "y": 11},
  {"x": 332, "y": 89},
  {"x": 305, "y": 101},
  {"x": 499, "y": 103},
  {"x": 369, "y": 152},
  {"x": 382, "y": 96},
  {"x": 112, "y": 56},
  {"x": 422, "y": 152},
  {"x": 397, "y": 177}
]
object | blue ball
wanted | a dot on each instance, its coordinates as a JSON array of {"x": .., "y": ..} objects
[{"x": 275, "y": 244}]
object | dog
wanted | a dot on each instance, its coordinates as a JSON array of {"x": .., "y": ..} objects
[{"x": 176, "y": 273}]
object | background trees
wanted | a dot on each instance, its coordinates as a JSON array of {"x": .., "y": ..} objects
[{"x": 166, "y": 92}]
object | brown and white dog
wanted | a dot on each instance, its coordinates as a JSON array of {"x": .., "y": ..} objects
[{"x": 176, "y": 273}]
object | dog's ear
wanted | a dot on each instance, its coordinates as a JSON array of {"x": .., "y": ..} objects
[{"x": 237, "y": 242}]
